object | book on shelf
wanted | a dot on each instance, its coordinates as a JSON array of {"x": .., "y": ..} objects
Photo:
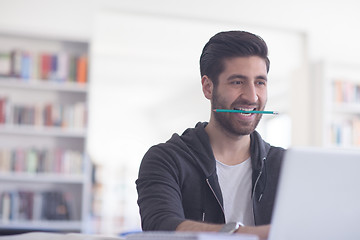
[
  {"x": 35, "y": 161},
  {"x": 16, "y": 56},
  {"x": 45, "y": 66},
  {"x": 72, "y": 116},
  {"x": 24, "y": 205},
  {"x": 5, "y": 63},
  {"x": 81, "y": 74},
  {"x": 3, "y": 109},
  {"x": 345, "y": 132},
  {"x": 345, "y": 91}
]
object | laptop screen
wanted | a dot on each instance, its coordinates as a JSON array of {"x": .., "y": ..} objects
[{"x": 318, "y": 195}]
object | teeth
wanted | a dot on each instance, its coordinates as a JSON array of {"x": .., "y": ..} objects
[{"x": 245, "y": 109}]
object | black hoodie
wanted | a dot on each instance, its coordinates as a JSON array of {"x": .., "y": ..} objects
[{"x": 178, "y": 181}]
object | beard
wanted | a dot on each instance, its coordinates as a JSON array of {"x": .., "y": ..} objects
[{"x": 228, "y": 121}]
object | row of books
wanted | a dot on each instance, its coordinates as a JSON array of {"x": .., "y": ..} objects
[
  {"x": 346, "y": 91},
  {"x": 346, "y": 132},
  {"x": 65, "y": 116},
  {"x": 35, "y": 160},
  {"x": 60, "y": 67},
  {"x": 21, "y": 205}
]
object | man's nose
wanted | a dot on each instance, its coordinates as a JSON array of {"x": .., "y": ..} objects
[{"x": 250, "y": 93}]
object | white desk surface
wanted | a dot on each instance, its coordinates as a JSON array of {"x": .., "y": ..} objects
[
  {"x": 57, "y": 236},
  {"x": 141, "y": 236}
]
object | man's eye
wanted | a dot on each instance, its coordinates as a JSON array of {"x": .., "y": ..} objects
[{"x": 237, "y": 82}]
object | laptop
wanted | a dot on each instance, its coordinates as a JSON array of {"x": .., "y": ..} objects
[{"x": 318, "y": 196}]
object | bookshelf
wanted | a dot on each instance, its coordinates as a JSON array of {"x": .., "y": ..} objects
[
  {"x": 45, "y": 174},
  {"x": 337, "y": 104}
]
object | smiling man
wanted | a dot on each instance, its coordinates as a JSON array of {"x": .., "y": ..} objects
[
  {"x": 221, "y": 175},
  {"x": 241, "y": 86}
]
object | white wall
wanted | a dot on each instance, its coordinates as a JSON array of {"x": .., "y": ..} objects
[
  {"x": 65, "y": 19},
  {"x": 332, "y": 26}
]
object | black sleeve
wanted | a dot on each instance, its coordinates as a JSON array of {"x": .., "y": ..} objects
[{"x": 159, "y": 191}]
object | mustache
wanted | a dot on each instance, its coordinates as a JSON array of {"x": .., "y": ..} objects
[{"x": 243, "y": 102}]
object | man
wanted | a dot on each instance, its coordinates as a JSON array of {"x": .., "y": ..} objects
[{"x": 222, "y": 171}]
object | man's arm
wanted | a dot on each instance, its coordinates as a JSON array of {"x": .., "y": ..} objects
[
  {"x": 193, "y": 226},
  {"x": 159, "y": 193},
  {"x": 261, "y": 231}
]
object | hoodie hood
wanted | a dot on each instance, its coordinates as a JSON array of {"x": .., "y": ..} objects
[{"x": 195, "y": 142}]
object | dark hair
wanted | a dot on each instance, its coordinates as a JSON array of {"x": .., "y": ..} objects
[{"x": 230, "y": 44}]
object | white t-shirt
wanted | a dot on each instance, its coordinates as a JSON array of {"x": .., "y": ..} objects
[{"x": 235, "y": 183}]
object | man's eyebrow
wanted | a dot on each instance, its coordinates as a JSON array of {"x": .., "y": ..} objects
[
  {"x": 262, "y": 77},
  {"x": 240, "y": 76},
  {"x": 235, "y": 76}
]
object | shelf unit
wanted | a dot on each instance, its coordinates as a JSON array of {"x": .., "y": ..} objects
[
  {"x": 336, "y": 109},
  {"x": 45, "y": 174}
]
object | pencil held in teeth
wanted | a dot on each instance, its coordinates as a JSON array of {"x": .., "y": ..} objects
[{"x": 245, "y": 111}]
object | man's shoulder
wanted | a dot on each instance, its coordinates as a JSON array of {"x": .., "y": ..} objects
[
  {"x": 188, "y": 149},
  {"x": 276, "y": 155},
  {"x": 278, "y": 151}
]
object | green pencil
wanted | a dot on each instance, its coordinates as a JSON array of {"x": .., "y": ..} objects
[{"x": 243, "y": 111}]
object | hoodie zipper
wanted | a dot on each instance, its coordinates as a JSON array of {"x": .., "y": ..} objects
[
  {"x": 256, "y": 182},
  {"x": 217, "y": 199}
]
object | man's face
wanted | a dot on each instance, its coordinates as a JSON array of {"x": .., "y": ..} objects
[{"x": 242, "y": 85}]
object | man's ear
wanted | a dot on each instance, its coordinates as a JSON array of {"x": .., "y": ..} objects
[{"x": 207, "y": 87}]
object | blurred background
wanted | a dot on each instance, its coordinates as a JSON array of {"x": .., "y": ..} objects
[{"x": 143, "y": 80}]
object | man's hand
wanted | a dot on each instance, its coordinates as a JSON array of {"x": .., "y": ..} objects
[
  {"x": 192, "y": 226},
  {"x": 261, "y": 231}
]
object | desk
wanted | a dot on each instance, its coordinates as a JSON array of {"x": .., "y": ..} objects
[
  {"x": 57, "y": 236},
  {"x": 138, "y": 236}
]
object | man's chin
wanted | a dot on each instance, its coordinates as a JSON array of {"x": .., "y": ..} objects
[
  {"x": 240, "y": 131},
  {"x": 244, "y": 130}
]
